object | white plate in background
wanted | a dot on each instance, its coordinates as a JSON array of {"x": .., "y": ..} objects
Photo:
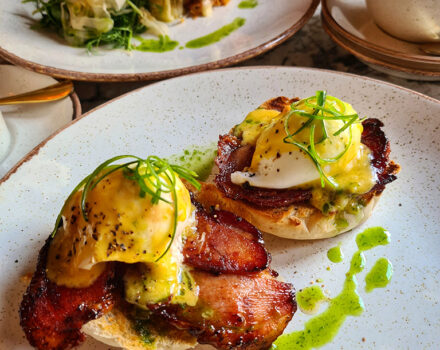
[
  {"x": 29, "y": 124},
  {"x": 266, "y": 26},
  {"x": 166, "y": 117}
]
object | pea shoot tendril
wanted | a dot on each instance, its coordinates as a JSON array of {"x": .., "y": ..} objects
[
  {"x": 322, "y": 111},
  {"x": 155, "y": 177}
]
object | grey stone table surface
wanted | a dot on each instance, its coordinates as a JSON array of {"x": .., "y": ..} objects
[{"x": 310, "y": 47}]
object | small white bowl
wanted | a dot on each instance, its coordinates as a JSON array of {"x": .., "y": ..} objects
[{"x": 410, "y": 20}]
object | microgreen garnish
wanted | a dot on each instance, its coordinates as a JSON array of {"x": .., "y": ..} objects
[
  {"x": 322, "y": 111},
  {"x": 126, "y": 24},
  {"x": 155, "y": 177}
]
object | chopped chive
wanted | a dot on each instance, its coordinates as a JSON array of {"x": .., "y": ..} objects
[
  {"x": 321, "y": 117},
  {"x": 346, "y": 126},
  {"x": 319, "y": 108},
  {"x": 327, "y": 160}
]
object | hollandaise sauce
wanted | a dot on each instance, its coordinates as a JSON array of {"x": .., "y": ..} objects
[
  {"x": 136, "y": 213},
  {"x": 216, "y": 36},
  {"x": 322, "y": 328}
]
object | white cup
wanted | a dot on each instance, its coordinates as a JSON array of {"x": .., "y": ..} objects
[
  {"x": 5, "y": 138},
  {"x": 410, "y": 20}
]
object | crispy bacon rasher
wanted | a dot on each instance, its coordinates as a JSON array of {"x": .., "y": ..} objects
[
  {"x": 232, "y": 156},
  {"x": 374, "y": 138},
  {"x": 235, "y": 311},
  {"x": 241, "y": 304},
  {"x": 52, "y": 316},
  {"x": 224, "y": 243}
]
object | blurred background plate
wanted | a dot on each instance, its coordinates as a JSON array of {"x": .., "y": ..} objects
[
  {"x": 31, "y": 123},
  {"x": 166, "y": 117},
  {"x": 351, "y": 26},
  {"x": 266, "y": 26}
]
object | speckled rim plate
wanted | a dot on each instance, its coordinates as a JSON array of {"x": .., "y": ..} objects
[
  {"x": 166, "y": 117},
  {"x": 266, "y": 27},
  {"x": 371, "y": 52}
]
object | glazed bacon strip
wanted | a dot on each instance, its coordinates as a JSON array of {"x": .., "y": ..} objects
[
  {"x": 52, "y": 316},
  {"x": 245, "y": 312},
  {"x": 225, "y": 243},
  {"x": 232, "y": 156},
  {"x": 237, "y": 309}
]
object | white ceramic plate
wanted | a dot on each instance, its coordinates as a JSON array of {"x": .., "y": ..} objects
[
  {"x": 266, "y": 26},
  {"x": 31, "y": 124},
  {"x": 166, "y": 117}
]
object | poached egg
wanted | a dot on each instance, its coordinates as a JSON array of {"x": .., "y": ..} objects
[
  {"x": 125, "y": 226},
  {"x": 278, "y": 163}
]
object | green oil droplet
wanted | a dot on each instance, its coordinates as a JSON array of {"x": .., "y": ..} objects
[
  {"x": 380, "y": 275},
  {"x": 309, "y": 299},
  {"x": 372, "y": 237},
  {"x": 248, "y": 4},
  {"x": 163, "y": 44},
  {"x": 357, "y": 263},
  {"x": 322, "y": 328},
  {"x": 199, "y": 159},
  {"x": 217, "y": 35},
  {"x": 335, "y": 254}
]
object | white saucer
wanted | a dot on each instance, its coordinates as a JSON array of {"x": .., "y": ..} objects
[
  {"x": 31, "y": 124},
  {"x": 351, "y": 26}
]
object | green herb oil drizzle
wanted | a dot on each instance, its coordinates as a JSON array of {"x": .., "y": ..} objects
[
  {"x": 309, "y": 299},
  {"x": 322, "y": 328},
  {"x": 163, "y": 44},
  {"x": 217, "y": 35},
  {"x": 380, "y": 275},
  {"x": 197, "y": 159},
  {"x": 248, "y": 4},
  {"x": 335, "y": 254}
]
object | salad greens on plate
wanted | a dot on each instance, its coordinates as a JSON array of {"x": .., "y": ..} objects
[{"x": 91, "y": 23}]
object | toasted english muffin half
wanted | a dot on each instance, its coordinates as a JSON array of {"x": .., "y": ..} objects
[
  {"x": 297, "y": 221},
  {"x": 115, "y": 329}
]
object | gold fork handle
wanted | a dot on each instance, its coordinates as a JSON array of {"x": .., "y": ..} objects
[{"x": 50, "y": 93}]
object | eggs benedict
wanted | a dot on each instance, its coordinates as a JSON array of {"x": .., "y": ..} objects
[
  {"x": 136, "y": 263},
  {"x": 302, "y": 169}
]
